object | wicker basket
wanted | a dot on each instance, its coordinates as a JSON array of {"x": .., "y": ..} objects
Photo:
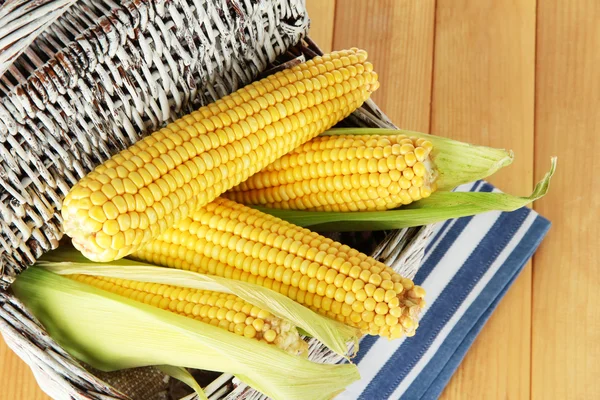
[{"x": 82, "y": 80}]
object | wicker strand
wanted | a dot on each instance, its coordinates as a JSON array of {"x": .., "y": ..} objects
[{"x": 141, "y": 64}]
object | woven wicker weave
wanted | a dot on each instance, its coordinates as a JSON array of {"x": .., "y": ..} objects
[
  {"x": 84, "y": 79},
  {"x": 130, "y": 68}
]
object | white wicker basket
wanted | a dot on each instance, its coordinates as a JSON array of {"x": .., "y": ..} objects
[{"x": 80, "y": 81}]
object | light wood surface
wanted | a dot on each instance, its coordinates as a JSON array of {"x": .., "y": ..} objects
[
  {"x": 16, "y": 379},
  {"x": 506, "y": 73},
  {"x": 483, "y": 92},
  {"x": 379, "y": 28},
  {"x": 566, "y": 278}
]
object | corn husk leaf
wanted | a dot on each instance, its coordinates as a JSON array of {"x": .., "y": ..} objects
[
  {"x": 333, "y": 334},
  {"x": 183, "y": 375},
  {"x": 111, "y": 332},
  {"x": 456, "y": 162},
  {"x": 440, "y": 206}
]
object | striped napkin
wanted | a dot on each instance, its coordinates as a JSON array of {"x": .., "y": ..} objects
[{"x": 469, "y": 265}]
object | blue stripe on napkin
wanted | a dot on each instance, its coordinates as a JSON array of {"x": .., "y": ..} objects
[
  {"x": 469, "y": 265},
  {"x": 454, "y": 229}
]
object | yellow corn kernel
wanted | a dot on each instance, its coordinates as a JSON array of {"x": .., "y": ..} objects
[
  {"x": 343, "y": 173},
  {"x": 198, "y": 157},
  {"x": 231, "y": 240},
  {"x": 205, "y": 306}
]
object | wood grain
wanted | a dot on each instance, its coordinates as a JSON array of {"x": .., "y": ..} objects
[
  {"x": 399, "y": 38},
  {"x": 483, "y": 92},
  {"x": 322, "y": 19},
  {"x": 16, "y": 379},
  {"x": 566, "y": 312}
]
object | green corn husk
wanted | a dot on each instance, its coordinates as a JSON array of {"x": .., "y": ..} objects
[
  {"x": 111, "y": 332},
  {"x": 331, "y": 333},
  {"x": 183, "y": 375},
  {"x": 456, "y": 162}
]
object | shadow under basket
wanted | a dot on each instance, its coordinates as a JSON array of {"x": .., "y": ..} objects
[{"x": 187, "y": 68}]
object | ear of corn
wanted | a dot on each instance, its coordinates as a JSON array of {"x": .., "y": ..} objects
[
  {"x": 440, "y": 206},
  {"x": 150, "y": 278},
  {"x": 111, "y": 332},
  {"x": 368, "y": 170},
  {"x": 344, "y": 173},
  {"x": 233, "y": 241},
  {"x": 144, "y": 190},
  {"x": 226, "y": 311}
]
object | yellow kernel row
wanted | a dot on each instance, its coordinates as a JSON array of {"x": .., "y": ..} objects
[
  {"x": 356, "y": 173},
  {"x": 162, "y": 178},
  {"x": 328, "y": 174},
  {"x": 366, "y": 314},
  {"x": 152, "y": 215},
  {"x": 233, "y": 241},
  {"x": 223, "y": 310}
]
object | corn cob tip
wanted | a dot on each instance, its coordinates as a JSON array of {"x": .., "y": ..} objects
[{"x": 83, "y": 238}]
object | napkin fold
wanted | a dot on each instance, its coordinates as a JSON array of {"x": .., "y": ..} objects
[{"x": 469, "y": 265}]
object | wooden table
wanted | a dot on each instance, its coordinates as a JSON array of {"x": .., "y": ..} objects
[{"x": 505, "y": 73}]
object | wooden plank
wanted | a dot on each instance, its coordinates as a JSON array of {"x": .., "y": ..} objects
[
  {"x": 399, "y": 38},
  {"x": 566, "y": 312},
  {"x": 483, "y": 92},
  {"x": 16, "y": 379},
  {"x": 322, "y": 18}
]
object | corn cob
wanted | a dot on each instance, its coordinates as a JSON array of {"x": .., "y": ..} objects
[
  {"x": 344, "y": 173},
  {"x": 144, "y": 190},
  {"x": 233, "y": 241},
  {"x": 224, "y": 310}
]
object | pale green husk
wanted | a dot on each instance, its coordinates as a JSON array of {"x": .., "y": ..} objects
[
  {"x": 182, "y": 374},
  {"x": 440, "y": 206},
  {"x": 333, "y": 334},
  {"x": 111, "y": 332},
  {"x": 456, "y": 162}
]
